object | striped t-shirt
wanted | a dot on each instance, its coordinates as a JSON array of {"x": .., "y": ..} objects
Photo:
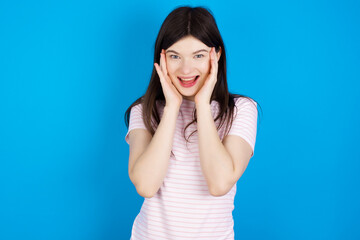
[{"x": 183, "y": 207}]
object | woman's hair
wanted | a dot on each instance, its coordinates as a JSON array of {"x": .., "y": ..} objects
[{"x": 181, "y": 22}]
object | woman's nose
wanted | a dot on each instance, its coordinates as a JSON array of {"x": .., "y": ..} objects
[{"x": 186, "y": 67}]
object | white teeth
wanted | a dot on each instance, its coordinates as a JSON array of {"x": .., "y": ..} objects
[{"x": 188, "y": 79}]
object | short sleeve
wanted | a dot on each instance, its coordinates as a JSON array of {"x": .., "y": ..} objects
[
  {"x": 245, "y": 121},
  {"x": 136, "y": 120}
]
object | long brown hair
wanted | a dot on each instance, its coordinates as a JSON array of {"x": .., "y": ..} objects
[{"x": 181, "y": 22}]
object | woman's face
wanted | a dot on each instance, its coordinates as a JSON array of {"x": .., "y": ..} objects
[{"x": 188, "y": 65}]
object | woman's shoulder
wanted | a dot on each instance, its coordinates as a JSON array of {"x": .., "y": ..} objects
[
  {"x": 244, "y": 104},
  {"x": 139, "y": 103},
  {"x": 240, "y": 100}
]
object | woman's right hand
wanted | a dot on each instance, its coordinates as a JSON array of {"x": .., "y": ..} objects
[{"x": 172, "y": 95}]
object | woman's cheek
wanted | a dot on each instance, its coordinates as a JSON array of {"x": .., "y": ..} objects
[
  {"x": 205, "y": 66},
  {"x": 171, "y": 69},
  {"x": 171, "y": 66}
]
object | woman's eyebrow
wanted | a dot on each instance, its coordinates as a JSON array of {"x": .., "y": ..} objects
[
  {"x": 172, "y": 51},
  {"x": 201, "y": 50}
]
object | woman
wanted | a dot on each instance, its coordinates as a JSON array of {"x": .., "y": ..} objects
[{"x": 190, "y": 139}]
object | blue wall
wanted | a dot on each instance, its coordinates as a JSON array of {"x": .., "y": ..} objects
[{"x": 70, "y": 69}]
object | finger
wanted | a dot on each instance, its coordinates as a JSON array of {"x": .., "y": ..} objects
[
  {"x": 160, "y": 62},
  {"x": 214, "y": 66},
  {"x": 216, "y": 59},
  {"x": 163, "y": 63},
  {"x": 164, "y": 84},
  {"x": 159, "y": 72},
  {"x": 162, "y": 66},
  {"x": 215, "y": 56},
  {"x": 213, "y": 60}
]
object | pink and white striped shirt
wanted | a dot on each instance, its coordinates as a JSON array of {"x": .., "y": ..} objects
[{"x": 183, "y": 207}]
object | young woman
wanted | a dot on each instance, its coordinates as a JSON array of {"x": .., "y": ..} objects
[{"x": 190, "y": 139}]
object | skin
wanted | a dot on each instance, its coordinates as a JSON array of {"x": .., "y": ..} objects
[
  {"x": 222, "y": 162},
  {"x": 190, "y": 57}
]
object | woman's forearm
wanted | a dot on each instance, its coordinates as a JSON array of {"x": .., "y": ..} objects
[
  {"x": 150, "y": 168},
  {"x": 216, "y": 162}
]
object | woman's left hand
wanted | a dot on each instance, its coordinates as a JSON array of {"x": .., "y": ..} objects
[{"x": 204, "y": 94}]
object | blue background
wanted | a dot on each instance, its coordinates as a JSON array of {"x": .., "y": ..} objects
[{"x": 70, "y": 69}]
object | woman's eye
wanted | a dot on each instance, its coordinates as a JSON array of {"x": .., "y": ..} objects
[
  {"x": 199, "y": 55},
  {"x": 174, "y": 57}
]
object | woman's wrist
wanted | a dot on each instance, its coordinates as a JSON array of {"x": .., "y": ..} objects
[
  {"x": 202, "y": 105},
  {"x": 172, "y": 108}
]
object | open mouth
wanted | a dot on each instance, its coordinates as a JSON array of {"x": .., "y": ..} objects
[{"x": 188, "y": 81}]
